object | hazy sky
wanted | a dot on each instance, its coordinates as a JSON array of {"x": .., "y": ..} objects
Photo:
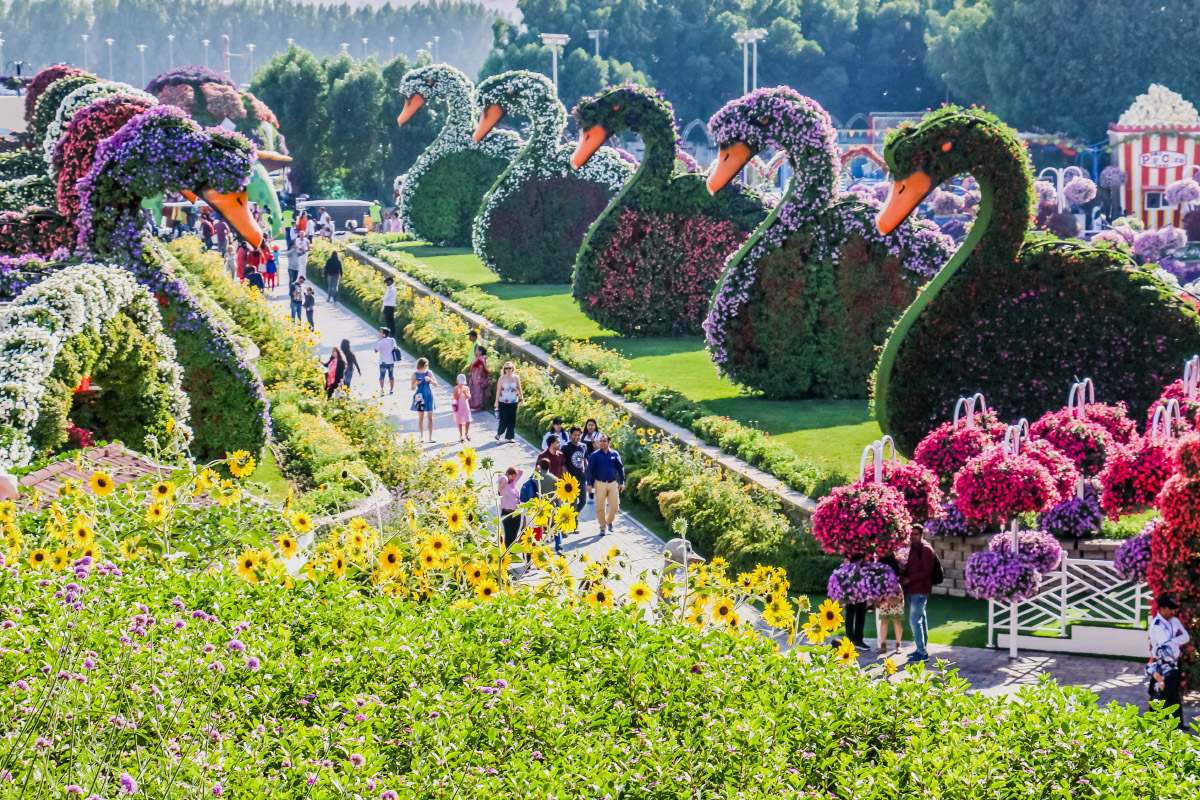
[{"x": 509, "y": 7}]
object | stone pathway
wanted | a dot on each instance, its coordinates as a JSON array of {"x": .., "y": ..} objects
[{"x": 989, "y": 671}]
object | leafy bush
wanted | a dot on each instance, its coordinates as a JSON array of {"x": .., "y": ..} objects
[{"x": 20, "y": 164}]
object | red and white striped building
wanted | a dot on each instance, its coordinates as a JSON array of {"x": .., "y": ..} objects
[{"x": 1154, "y": 157}]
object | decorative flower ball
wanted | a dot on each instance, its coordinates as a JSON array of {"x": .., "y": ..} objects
[
  {"x": 1042, "y": 548},
  {"x": 1084, "y": 442},
  {"x": 1146, "y": 245},
  {"x": 1113, "y": 418},
  {"x": 867, "y": 519},
  {"x": 1045, "y": 192},
  {"x": 1110, "y": 236},
  {"x": 863, "y": 582},
  {"x": 1112, "y": 177},
  {"x": 1002, "y": 575},
  {"x": 946, "y": 449},
  {"x": 1062, "y": 470},
  {"x": 1075, "y": 517},
  {"x": 1170, "y": 238},
  {"x": 1188, "y": 408},
  {"x": 997, "y": 486},
  {"x": 1187, "y": 456},
  {"x": 919, "y": 485},
  {"x": 1079, "y": 191},
  {"x": 951, "y": 523},
  {"x": 946, "y": 203},
  {"x": 1133, "y": 556},
  {"x": 1183, "y": 192},
  {"x": 1134, "y": 474}
]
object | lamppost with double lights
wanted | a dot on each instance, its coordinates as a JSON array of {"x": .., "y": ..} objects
[
  {"x": 85, "y": 52},
  {"x": 745, "y": 38},
  {"x": 250, "y": 57},
  {"x": 392, "y": 42},
  {"x": 555, "y": 41},
  {"x": 436, "y": 58},
  {"x": 596, "y": 33},
  {"x": 142, "y": 55},
  {"x": 171, "y": 51},
  {"x": 109, "y": 42},
  {"x": 205, "y": 43}
]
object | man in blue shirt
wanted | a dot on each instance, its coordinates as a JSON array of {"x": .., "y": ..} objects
[{"x": 605, "y": 479}]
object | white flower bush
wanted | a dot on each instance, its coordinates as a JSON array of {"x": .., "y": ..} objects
[
  {"x": 544, "y": 156},
  {"x": 447, "y": 83},
  {"x": 30, "y": 190},
  {"x": 72, "y": 103},
  {"x": 35, "y": 328},
  {"x": 1161, "y": 108}
]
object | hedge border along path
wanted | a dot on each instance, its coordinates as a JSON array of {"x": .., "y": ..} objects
[{"x": 796, "y": 505}]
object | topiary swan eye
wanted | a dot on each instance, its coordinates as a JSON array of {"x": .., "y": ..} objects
[{"x": 947, "y": 147}]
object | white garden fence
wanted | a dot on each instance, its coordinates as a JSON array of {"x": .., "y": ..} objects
[{"x": 1080, "y": 591}]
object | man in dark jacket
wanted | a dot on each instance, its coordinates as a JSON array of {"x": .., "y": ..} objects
[
  {"x": 917, "y": 580},
  {"x": 575, "y": 452},
  {"x": 553, "y": 456},
  {"x": 333, "y": 275}
]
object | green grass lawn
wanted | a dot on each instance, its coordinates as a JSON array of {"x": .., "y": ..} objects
[
  {"x": 269, "y": 475},
  {"x": 827, "y": 431},
  {"x": 960, "y": 621}
]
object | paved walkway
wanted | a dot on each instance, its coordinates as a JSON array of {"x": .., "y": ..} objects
[{"x": 989, "y": 671}]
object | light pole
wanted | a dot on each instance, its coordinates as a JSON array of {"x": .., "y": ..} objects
[
  {"x": 429, "y": 49},
  {"x": 228, "y": 70},
  {"x": 596, "y": 33},
  {"x": 109, "y": 42},
  {"x": 392, "y": 42},
  {"x": 345, "y": 47},
  {"x": 171, "y": 51},
  {"x": 555, "y": 41},
  {"x": 364, "y": 52},
  {"x": 205, "y": 41},
  {"x": 291, "y": 42},
  {"x": 142, "y": 54},
  {"x": 436, "y": 59},
  {"x": 743, "y": 38},
  {"x": 85, "y": 53},
  {"x": 250, "y": 51},
  {"x": 758, "y": 34}
]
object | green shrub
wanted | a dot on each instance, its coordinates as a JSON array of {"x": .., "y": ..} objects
[
  {"x": 20, "y": 164},
  {"x": 451, "y": 189}
]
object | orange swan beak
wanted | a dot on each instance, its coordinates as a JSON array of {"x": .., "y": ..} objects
[
  {"x": 903, "y": 197},
  {"x": 234, "y": 208},
  {"x": 410, "y": 107},
  {"x": 733, "y": 158},
  {"x": 589, "y": 143},
  {"x": 491, "y": 115}
]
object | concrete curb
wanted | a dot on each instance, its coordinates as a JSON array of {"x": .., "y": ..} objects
[{"x": 795, "y": 505}]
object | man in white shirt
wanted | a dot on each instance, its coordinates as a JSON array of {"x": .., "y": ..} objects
[
  {"x": 389, "y": 303},
  {"x": 298, "y": 260},
  {"x": 326, "y": 223},
  {"x": 386, "y": 347},
  {"x": 1166, "y": 631}
]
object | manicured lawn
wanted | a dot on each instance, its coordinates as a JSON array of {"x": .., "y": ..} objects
[
  {"x": 827, "y": 431},
  {"x": 960, "y": 621}
]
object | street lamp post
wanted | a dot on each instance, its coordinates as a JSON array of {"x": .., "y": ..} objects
[
  {"x": 555, "y": 41},
  {"x": 228, "y": 68},
  {"x": 364, "y": 52},
  {"x": 345, "y": 47},
  {"x": 171, "y": 51},
  {"x": 291, "y": 42},
  {"x": 109, "y": 42},
  {"x": 85, "y": 53},
  {"x": 205, "y": 42},
  {"x": 436, "y": 58},
  {"x": 250, "y": 57},
  {"x": 392, "y": 42},
  {"x": 596, "y": 33},
  {"x": 743, "y": 39},
  {"x": 142, "y": 54}
]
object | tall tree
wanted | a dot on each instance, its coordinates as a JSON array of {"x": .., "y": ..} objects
[{"x": 294, "y": 85}]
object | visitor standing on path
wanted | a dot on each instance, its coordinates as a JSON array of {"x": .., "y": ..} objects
[
  {"x": 335, "y": 372},
  {"x": 221, "y": 228},
  {"x": 1167, "y": 638},
  {"x": 605, "y": 479},
  {"x": 298, "y": 263},
  {"x": 422, "y": 386},
  {"x": 310, "y": 303},
  {"x": 891, "y": 610},
  {"x": 557, "y": 430},
  {"x": 387, "y": 349},
  {"x": 462, "y": 407},
  {"x": 553, "y": 455},
  {"x": 575, "y": 455},
  {"x": 272, "y": 266},
  {"x": 243, "y": 253},
  {"x": 508, "y": 487},
  {"x": 389, "y": 303},
  {"x": 296, "y": 295},
  {"x": 333, "y": 275},
  {"x": 351, "y": 362},
  {"x": 508, "y": 395},
  {"x": 254, "y": 278},
  {"x": 917, "y": 580},
  {"x": 591, "y": 432},
  {"x": 481, "y": 380},
  {"x": 856, "y": 615},
  {"x": 231, "y": 261}
]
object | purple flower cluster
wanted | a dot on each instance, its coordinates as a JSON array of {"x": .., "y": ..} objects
[
  {"x": 1002, "y": 575},
  {"x": 1079, "y": 191},
  {"x": 19, "y": 272},
  {"x": 1074, "y": 518},
  {"x": 863, "y": 582},
  {"x": 193, "y": 74},
  {"x": 945, "y": 204},
  {"x": 1045, "y": 192},
  {"x": 1041, "y": 548},
  {"x": 1183, "y": 192},
  {"x": 1112, "y": 177},
  {"x": 951, "y": 523},
  {"x": 1133, "y": 556}
]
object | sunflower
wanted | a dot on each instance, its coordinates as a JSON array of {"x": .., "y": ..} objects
[
  {"x": 37, "y": 559},
  {"x": 487, "y": 589},
  {"x": 8, "y": 510},
  {"x": 302, "y": 522},
  {"x": 241, "y": 464},
  {"x": 59, "y": 559},
  {"x": 358, "y": 540},
  {"x": 390, "y": 559},
  {"x": 815, "y": 632},
  {"x": 889, "y": 666},
  {"x": 640, "y": 592},
  {"x": 566, "y": 488},
  {"x": 81, "y": 532},
  {"x": 466, "y": 458},
  {"x": 599, "y": 597},
  {"x": 450, "y": 468},
  {"x": 543, "y": 511},
  {"x": 722, "y": 610},
  {"x": 129, "y": 549},
  {"x": 831, "y": 615},
  {"x": 846, "y": 652},
  {"x": 156, "y": 513},
  {"x": 163, "y": 491},
  {"x": 101, "y": 484},
  {"x": 429, "y": 559},
  {"x": 541, "y": 557},
  {"x": 287, "y": 545},
  {"x": 228, "y": 497},
  {"x": 247, "y": 563},
  {"x": 455, "y": 519},
  {"x": 462, "y": 604},
  {"x": 564, "y": 519},
  {"x": 91, "y": 551},
  {"x": 338, "y": 565},
  {"x": 439, "y": 543}
]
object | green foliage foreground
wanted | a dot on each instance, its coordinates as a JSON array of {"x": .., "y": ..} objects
[{"x": 178, "y": 683}]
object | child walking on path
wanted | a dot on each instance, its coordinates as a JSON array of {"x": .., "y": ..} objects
[{"x": 462, "y": 407}]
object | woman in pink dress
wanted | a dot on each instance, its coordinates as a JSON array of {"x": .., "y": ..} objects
[
  {"x": 481, "y": 380},
  {"x": 462, "y": 407}
]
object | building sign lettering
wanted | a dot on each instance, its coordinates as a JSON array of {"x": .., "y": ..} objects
[{"x": 1162, "y": 159}]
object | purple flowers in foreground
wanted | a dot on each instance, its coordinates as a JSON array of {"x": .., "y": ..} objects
[
  {"x": 863, "y": 582},
  {"x": 1133, "y": 557},
  {"x": 1002, "y": 575}
]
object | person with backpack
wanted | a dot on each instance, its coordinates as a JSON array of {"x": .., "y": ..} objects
[
  {"x": 921, "y": 573},
  {"x": 296, "y": 293},
  {"x": 389, "y": 354}
]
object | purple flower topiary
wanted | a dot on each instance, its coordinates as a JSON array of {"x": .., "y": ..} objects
[
  {"x": 1002, "y": 575},
  {"x": 191, "y": 75},
  {"x": 863, "y": 582},
  {"x": 1110, "y": 236},
  {"x": 1045, "y": 192},
  {"x": 1112, "y": 177},
  {"x": 1074, "y": 517},
  {"x": 1079, "y": 191},
  {"x": 951, "y": 523},
  {"x": 1182, "y": 192},
  {"x": 1042, "y": 549},
  {"x": 1171, "y": 238},
  {"x": 1133, "y": 557},
  {"x": 1146, "y": 245},
  {"x": 945, "y": 204},
  {"x": 881, "y": 190}
]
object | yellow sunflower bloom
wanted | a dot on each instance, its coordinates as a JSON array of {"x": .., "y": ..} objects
[
  {"x": 429, "y": 559},
  {"x": 543, "y": 511},
  {"x": 455, "y": 519},
  {"x": 247, "y": 565},
  {"x": 565, "y": 519},
  {"x": 156, "y": 513},
  {"x": 358, "y": 540},
  {"x": 600, "y": 597},
  {"x": 462, "y": 604},
  {"x": 163, "y": 491},
  {"x": 722, "y": 610},
  {"x": 390, "y": 559},
  {"x": 129, "y": 549},
  {"x": 466, "y": 458},
  {"x": 287, "y": 545},
  {"x": 487, "y": 589},
  {"x": 302, "y": 522},
  {"x": 91, "y": 551},
  {"x": 243, "y": 469},
  {"x": 450, "y": 468},
  {"x": 38, "y": 558},
  {"x": 338, "y": 565},
  {"x": 101, "y": 484},
  {"x": 640, "y": 593},
  {"x": 815, "y": 632},
  {"x": 831, "y": 615},
  {"x": 889, "y": 666},
  {"x": 566, "y": 488},
  {"x": 59, "y": 559},
  {"x": 846, "y": 651}
]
